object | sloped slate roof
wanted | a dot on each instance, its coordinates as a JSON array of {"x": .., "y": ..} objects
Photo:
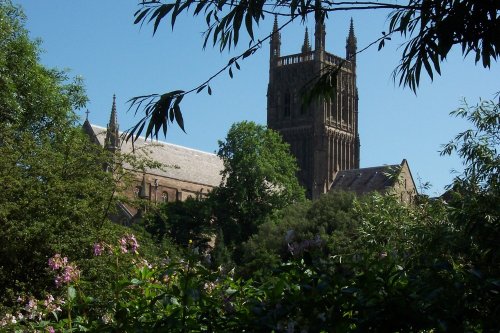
[
  {"x": 366, "y": 180},
  {"x": 194, "y": 166}
]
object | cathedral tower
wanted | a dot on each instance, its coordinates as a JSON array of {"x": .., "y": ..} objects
[{"x": 323, "y": 135}]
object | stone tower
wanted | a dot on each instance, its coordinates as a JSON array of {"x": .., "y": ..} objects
[{"x": 323, "y": 135}]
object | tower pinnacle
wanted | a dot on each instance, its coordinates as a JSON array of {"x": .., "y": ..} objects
[
  {"x": 112, "y": 142},
  {"x": 306, "y": 47},
  {"x": 275, "y": 41},
  {"x": 351, "y": 44}
]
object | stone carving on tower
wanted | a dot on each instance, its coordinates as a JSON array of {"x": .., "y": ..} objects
[{"x": 322, "y": 135}]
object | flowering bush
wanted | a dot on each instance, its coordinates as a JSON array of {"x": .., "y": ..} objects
[
  {"x": 67, "y": 272},
  {"x": 172, "y": 295}
]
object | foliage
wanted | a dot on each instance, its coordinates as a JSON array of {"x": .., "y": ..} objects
[
  {"x": 411, "y": 268},
  {"x": 331, "y": 219},
  {"x": 174, "y": 295},
  {"x": 478, "y": 147},
  {"x": 431, "y": 29},
  {"x": 402, "y": 280},
  {"x": 33, "y": 98},
  {"x": 434, "y": 27},
  {"x": 185, "y": 222},
  {"x": 54, "y": 189},
  {"x": 258, "y": 179},
  {"x": 474, "y": 195}
]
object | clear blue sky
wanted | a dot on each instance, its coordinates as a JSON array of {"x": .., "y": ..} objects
[{"x": 98, "y": 41}]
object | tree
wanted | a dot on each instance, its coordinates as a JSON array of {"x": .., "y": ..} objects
[
  {"x": 329, "y": 225},
  {"x": 258, "y": 179},
  {"x": 475, "y": 194},
  {"x": 55, "y": 192},
  {"x": 431, "y": 30}
]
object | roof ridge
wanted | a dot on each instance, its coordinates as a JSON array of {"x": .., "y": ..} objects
[
  {"x": 161, "y": 142},
  {"x": 373, "y": 167}
]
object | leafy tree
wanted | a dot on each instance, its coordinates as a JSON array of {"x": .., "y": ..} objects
[
  {"x": 431, "y": 29},
  {"x": 258, "y": 179},
  {"x": 474, "y": 199},
  {"x": 328, "y": 224},
  {"x": 55, "y": 193},
  {"x": 475, "y": 194}
]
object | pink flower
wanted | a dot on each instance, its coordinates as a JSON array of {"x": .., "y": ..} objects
[
  {"x": 48, "y": 300},
  {"x": 128, "y": 243},
  {"x": 133, "y": 243},
  {"x": 98, "y": 248},
  {"x": 67, "y": 272},
  {"x": 70, "y": 274},
  {"x": 57, "y": 261},
  {"x": 123, "y": 244},
  {"x": 50, "y": 329}
]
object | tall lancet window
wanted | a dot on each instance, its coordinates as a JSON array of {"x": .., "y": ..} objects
[
  {"x": 344, "y": 99},
  {"x": 286, "y": 105}
]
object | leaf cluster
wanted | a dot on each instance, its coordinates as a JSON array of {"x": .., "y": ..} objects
[
  {"x": 160, "y": 110},
  {"x": 434, "y": 27}
]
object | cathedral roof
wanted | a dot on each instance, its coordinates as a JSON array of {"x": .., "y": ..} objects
[
  {"x": 365, "y": 180},
  {"x": 186, "y": 164}
]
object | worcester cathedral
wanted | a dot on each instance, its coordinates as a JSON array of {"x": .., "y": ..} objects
[{"x": 323, "y": 134}]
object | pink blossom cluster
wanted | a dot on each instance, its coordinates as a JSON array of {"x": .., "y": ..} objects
[
  {"x": 67, "y": 272},
  {"x": 98, "y": 248},
  {"x": 56, "y": 262},
  {"x": 33, "y": 310},
  {"x": 128, "y": 243}
]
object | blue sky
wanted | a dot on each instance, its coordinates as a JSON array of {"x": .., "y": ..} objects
[{"x": 98, "y": 41}]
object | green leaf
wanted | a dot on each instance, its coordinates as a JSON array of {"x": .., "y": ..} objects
[
  {"x": 71, "y": 293},
  {"x": 141, "y": 15},
  {"x": 248, "y": 24},
  {"x": 201, "y": 88},
  {"x": 171, "y": 114},
  {"x": 178, "y": 117},
  {"x": 162, "y": 12}
]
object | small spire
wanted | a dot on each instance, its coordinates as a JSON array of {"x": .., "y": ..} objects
[
  {"x": 112, "y": 133},
  {"x": 351, "y": 36},
  {"x": 306, "y": 47},
  {"x": 351, "y": 43},
  {"x": 275, "y": 26},
  {"x": 275, "y": 41},
  {"x": 87, "y": 115},
  {"x": 113, "y": 119}
]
